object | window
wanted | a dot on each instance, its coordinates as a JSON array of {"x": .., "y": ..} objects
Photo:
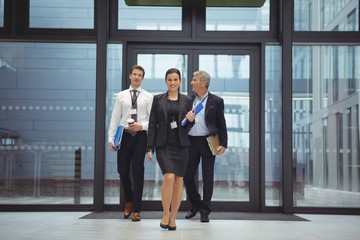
[
  {"x": 273, "y": 126},
  {"x": 326, "y": 15},
  {"x": 238, "y": 18},
  {"x": 136, "y": 17},
  {"x": 351, "y": 21},
  {"x": 77, "y": 14},
  {"x": 1, "y": 13},
  {"x": 326, "y": 127},
  {"x": 47, "y": 110},
  {"x": 155, "y": 66},
  {"x": 113, "y": 86}
]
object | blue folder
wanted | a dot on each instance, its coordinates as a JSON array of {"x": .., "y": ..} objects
[
  {"x": 118, "y": 137},
  {"x": 197, "y": 109}
]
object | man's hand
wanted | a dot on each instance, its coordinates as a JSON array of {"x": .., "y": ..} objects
[
  {"x": 221, "y": 149},
  {"x": 190, "y": 116},
  {"x": 112, "y": 147},
  {"x": 135, "y": 127}
]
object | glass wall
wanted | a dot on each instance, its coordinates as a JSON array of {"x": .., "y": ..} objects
[
  {"x": 47, "y": 119},
  {"x": 326, "y": 86},
  {"x": 113, "y": 86},
  {"x": 142, "y": 17},
  {"x": 238, "y": 17},
  {"x": 155, "y": 66},
  {"x": 48, "y": 89},
  {"x": 1, "y": 13},
  {"x": 273, "y": 130},
  {"x": 230, "y": 79},
  {"x": 326, "y": 15},
  {"x": 62, "y": 14}
]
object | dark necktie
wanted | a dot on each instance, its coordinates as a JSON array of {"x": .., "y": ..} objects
[{"x": 134, "y": 97}]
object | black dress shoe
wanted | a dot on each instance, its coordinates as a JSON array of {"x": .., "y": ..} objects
[
  {"x": 192, "y": 212},
  {"x": 204, "y": 219},
  {"x": 204, "y": 216}
]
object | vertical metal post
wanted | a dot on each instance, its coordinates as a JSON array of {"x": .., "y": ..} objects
[
  {"x": 77, "y": 176},
  {"x": 102, "y": 28},
  {"x": 287, "y": 23}
]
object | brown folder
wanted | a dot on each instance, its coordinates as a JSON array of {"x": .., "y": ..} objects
[{"x": 214, "y": 143}]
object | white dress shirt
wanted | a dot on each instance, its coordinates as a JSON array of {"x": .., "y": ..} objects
[{"x": 121, "y": 111}]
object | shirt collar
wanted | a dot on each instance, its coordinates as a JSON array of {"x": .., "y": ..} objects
[
  {"x": 131, "y": 88},
  {"x": 203, "y": 97}
]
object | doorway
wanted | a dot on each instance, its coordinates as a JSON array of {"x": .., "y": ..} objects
[{"x": 234, "y": 77}]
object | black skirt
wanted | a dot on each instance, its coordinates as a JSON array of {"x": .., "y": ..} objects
[{"x": 172, "y": 159}]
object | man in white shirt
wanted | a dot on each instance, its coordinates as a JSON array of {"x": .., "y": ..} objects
[{"x": 134, "y": 103}]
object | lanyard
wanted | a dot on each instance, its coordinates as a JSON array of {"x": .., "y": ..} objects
[{"x": 200, "y": 101}]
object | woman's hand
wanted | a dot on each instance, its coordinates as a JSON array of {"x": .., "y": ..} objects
[{"x": 149, "y": 156}]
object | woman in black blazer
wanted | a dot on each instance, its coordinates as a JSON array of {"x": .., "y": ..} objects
[{"x": 170, "y": 139}]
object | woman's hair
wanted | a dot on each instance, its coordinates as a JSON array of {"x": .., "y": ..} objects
[{"x": 173, "y": 70}]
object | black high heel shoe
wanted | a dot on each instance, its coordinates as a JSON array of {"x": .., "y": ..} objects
[
  {"x": 164, "y": 226},
  {"x": 171, "y": 228}
]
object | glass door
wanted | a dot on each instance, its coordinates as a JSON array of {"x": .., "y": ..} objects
[
  {"x": 234, "y": 78},
  {"x": 155, "y": 65},
  {"x": 230, "y": 79}
]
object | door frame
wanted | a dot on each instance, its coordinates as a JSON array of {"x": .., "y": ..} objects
[{"x": 256, "y": 201}]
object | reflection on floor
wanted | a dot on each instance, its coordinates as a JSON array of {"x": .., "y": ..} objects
[{"x": 69, "y": 225}]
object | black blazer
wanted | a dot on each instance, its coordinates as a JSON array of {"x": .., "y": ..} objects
[
  {"x": 215, "y": 118},
  {"x": 158, "y": 122}
]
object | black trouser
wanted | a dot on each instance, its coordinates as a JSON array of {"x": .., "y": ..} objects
[
  {"x": 132, "y": 154},
  {"x": 200, "y": 149}
]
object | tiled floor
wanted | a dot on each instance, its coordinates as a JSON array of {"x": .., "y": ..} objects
[{"x": 69, "y": 226}]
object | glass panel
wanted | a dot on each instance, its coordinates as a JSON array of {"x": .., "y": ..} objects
[
  {"x": 325, "y": 15},
  {"x": 326, "y": 126},
  {"x": 273, "y": 125},
  {"x": 230, "y": 79},
  {"x": 149, "y": 18},
  {"x": 155, "y": 66},
  {"x": 1, "y": 13},
  {"x": 47, "y": 119},
  {"x": 238, "y": 18},
  {"x": 113, "y": 86},
  {"x": 62, "y": 14}
]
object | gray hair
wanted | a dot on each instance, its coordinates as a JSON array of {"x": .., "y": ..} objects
[{"x": 204, "y": 77}]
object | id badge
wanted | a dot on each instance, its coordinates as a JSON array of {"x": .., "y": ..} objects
[
  {"x": 133, "y": 111},
  {"x": 173, "y": 125}
]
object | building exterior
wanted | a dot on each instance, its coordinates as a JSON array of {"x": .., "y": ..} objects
[{"x": 288, "y": 71}]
